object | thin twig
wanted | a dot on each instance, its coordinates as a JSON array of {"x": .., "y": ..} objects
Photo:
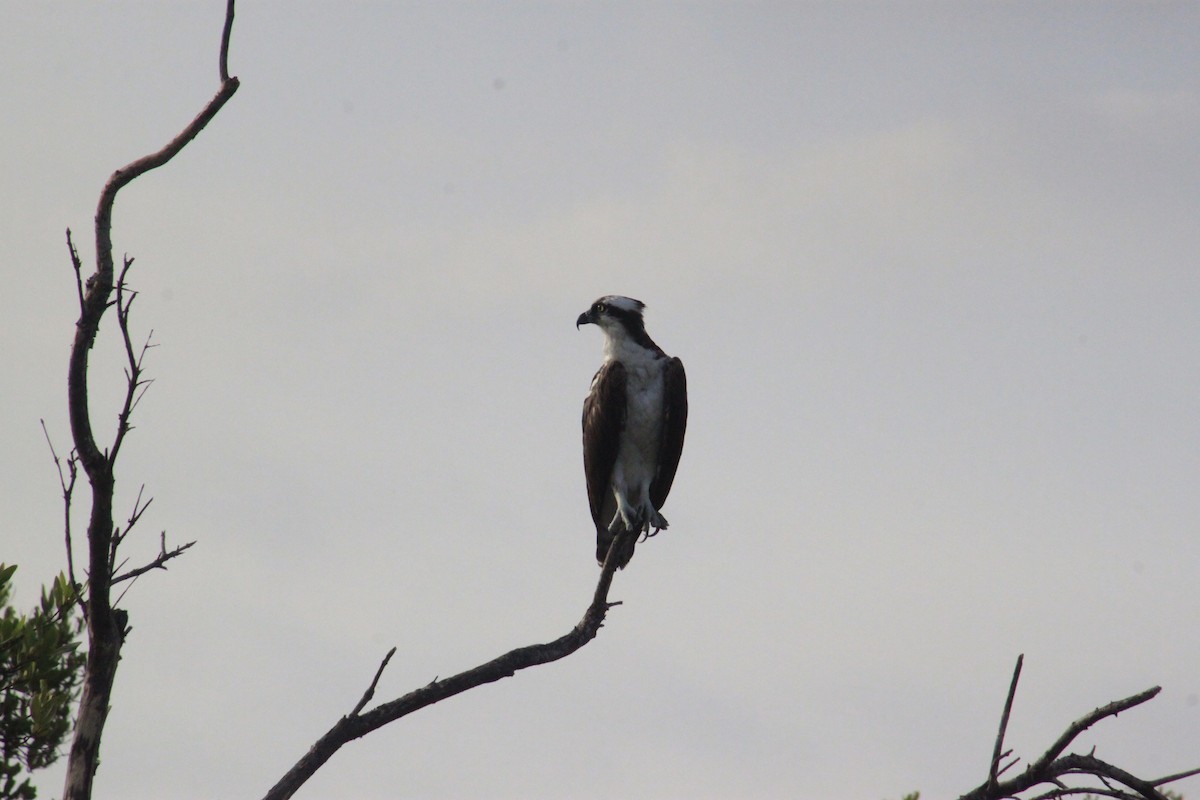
[
  {"x": 68, "y": 490},
  {"x": 1178, "y": 776},
  {"x": 78, "y": 266},
  {"x": 119, "y": 534},
  {"x": 1016, "y": 760},
  {"x": 370, "y": 692},
  {"x": 135, "y": 387},
  {"x": 139, "y": 508}
]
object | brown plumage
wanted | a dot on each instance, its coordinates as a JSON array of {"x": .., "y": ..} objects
[{"x": 656, "y": 396}]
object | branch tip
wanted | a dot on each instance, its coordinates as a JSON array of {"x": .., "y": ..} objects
[{"x": 226, "y": 32}]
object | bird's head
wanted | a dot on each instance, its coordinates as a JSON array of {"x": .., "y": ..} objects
[{"x": 615, "y": 314}]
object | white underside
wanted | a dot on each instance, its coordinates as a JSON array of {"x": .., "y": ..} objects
[{"x": 637, "y": 458}]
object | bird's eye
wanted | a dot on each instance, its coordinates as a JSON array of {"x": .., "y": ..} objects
[{"x": 598, "y": 308}]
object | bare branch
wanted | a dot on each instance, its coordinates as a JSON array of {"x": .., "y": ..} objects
[
  {"x": 1086, "y": 791},
  {"x": 1090, "y": 765},
  {"x": 1083, "y": 723},
  {"x": 994, "y": 772},
  {"x": 1016, "y": 760},
  {"x": 139, "y": 508},
  {"x": 107, "y": 625},
  {"x": 68, "y": 490},
  {"x": 78, "y": 266},
  {"x": 1178, "y": 776},
  {"x": 135, "y": 387},
  {"x": 160, "y": 562},
  {"x": 226, "y": 32},
  {"x": 370, "y": 692},
  {"x": 119, "y": 534},
  {"x": 123, "y": 176},
  {"x": 356, "y": 725}
]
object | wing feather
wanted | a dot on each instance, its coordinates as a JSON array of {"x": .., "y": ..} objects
[
  {"x": 603, "y": 421},
  {"x": 675, "y": 410}
]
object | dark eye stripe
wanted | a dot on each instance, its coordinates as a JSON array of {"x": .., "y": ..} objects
[{"x": 616, "y": 312}]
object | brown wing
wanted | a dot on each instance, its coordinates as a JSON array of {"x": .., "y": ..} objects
[
  {"x": 675, "y": 411},
  {"x": 603, "y": 421}
]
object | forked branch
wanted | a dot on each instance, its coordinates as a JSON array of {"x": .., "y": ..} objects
[{"x": 160, "y": 562}]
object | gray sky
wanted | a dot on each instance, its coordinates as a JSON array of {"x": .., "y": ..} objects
[{"x": 932, "y": 269}]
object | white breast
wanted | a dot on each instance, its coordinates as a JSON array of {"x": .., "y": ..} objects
[
  {"x": 637, "y": 456},
  {"x": 637, "y": 459}
]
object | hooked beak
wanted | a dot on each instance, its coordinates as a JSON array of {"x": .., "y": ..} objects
[{"x": 584, "y": 319}]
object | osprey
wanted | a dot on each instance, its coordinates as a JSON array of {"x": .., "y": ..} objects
[{"x": 634, "y": 419}]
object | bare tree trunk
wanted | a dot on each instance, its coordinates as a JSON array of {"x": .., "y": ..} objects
[{"x": 106, "y": 625}]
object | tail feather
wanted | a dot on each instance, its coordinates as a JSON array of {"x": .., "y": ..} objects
[{"x": 604, "y": 540}]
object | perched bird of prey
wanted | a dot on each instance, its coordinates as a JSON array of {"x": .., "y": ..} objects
[{"x": 634, "y": 419}]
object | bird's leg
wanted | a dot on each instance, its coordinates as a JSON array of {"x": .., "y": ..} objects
[
  {"x": 642, "y": 517},
  {"x": 629, "y": 516},
  {"x": 658, "y": 522},
  {"x": 649, "y": 514}
]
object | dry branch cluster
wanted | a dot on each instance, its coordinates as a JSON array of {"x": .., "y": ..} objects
[{"x": 1055, "y": 775}]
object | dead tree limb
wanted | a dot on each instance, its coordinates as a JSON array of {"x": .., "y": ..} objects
[
  {"x": 159, "y": 562},
  {"x": 107, "y": 624},
  {"x": 1055, "y": 775},
  {"x": 357, "y": 723},
  {"x": 998, "y": 752}
]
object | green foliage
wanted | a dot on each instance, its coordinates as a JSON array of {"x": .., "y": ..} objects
[{"x": 40, "y": 667}]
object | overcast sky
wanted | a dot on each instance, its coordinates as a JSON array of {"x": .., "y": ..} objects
[{"x": 932, "y": 269}]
